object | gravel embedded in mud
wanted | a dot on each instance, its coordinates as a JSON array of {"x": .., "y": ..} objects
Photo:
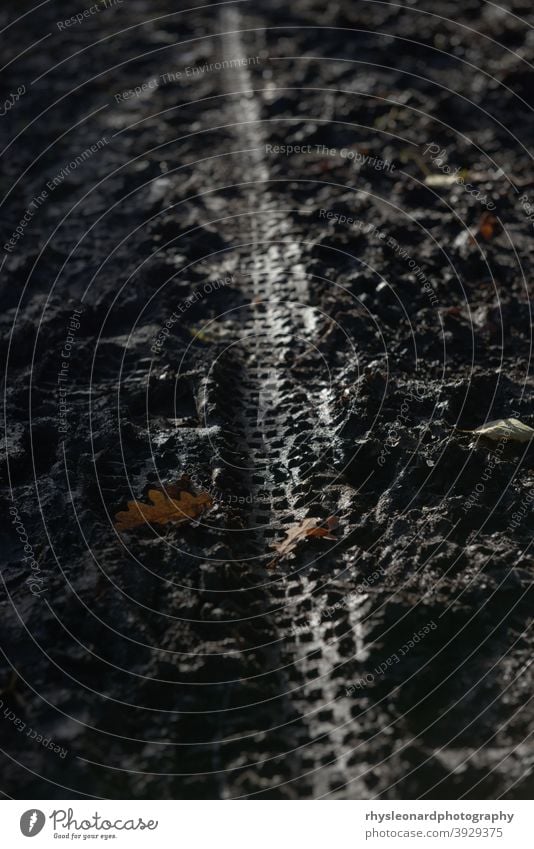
[{"x": 284, "y": 250}]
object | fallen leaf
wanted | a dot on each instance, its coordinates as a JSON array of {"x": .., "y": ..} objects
[
  {"x": 441, "y": 180},
  {"x": 201, "y": 335},
  {"x": 308, "y": 528},
  {"x": 487, "y": 226},
  {"x": 183, "y": 507},
  {"x": 504, "y": 429},
  {"x": 454, "y": 311}
]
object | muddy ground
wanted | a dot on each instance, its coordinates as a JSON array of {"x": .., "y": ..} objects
[{"x": 259, "y": 272}]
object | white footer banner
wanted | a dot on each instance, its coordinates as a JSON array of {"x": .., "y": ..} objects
[{"x": 257, "y": 825}]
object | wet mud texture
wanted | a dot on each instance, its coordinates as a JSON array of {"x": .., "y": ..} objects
[{"x": 296, "y": 365}]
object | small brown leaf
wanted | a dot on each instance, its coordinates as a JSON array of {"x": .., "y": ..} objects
[
  {"x": 454, "y": 311},
  {"x": 308, "y": 528},
  {"x": 487, "y": 226},
  {"x": 183, "y": 507}
]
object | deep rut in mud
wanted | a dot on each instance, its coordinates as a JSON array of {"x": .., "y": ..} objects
[{"x": 275, "y": 440}]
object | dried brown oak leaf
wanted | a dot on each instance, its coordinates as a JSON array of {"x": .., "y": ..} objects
[
  {"x": 306, "y": 529},
  {"x": 185, "y": 507},
  {"x": 488, "y": 226}
]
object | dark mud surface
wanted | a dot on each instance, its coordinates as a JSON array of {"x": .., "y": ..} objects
[{"x": 306, "y": 332}]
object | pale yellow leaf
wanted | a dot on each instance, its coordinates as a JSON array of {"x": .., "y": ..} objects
[{"x": 499, "y": 429}]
